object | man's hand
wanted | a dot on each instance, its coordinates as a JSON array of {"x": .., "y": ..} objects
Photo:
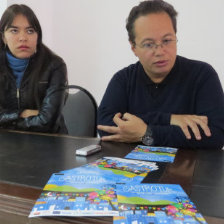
[
  {"x": 185, "y": 121},
  {"x": 129, "y": 128},
  {"x": 28, "y": 113}
]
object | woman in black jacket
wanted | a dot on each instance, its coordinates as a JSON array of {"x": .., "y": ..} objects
[{"x": 32, "y": 77}]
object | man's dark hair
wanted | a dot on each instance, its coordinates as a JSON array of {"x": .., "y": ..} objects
[{"x": 145, "y": 8}]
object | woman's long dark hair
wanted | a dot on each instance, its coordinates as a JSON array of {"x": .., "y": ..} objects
[{"x": 39, "y": 60}]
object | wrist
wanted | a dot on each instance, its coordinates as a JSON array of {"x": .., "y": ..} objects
[{"x": 147, "y": 138}]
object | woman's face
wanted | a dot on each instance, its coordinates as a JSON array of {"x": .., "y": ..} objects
[{"x": 21, "y": 38}]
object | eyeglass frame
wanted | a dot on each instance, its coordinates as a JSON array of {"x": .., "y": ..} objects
[{"x": 154, "y": 46}]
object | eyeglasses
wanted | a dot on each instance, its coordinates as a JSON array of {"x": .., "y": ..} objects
[{"x": 152, "y": 46}]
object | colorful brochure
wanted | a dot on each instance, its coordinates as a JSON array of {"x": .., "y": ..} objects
[
  {"x": 76, "y": 195},
  {"x": 150, "y": 153},
  {"x": 155, "y": 203},
  {"x": 89, "y": 190},
  {"x": 117, "y": 170}
]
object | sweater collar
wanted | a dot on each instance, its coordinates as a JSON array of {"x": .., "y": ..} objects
[
  {"x": 148, "y": 81},
  {"x": 16, "y": 64},
  {"x": 18, "y": 67}
]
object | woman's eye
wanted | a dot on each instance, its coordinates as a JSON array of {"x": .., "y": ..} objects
[
  {"x": 13, "y": 31},
  {"x": 30, "y": 31}
]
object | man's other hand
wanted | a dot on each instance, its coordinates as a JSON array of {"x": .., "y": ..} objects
[{"x": 185, "y": 121}]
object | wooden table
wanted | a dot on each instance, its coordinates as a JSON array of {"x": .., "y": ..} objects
[{"x": 28, "y": 160}]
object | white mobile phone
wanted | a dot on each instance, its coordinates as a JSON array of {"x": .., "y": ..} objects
[{"x": 88, "y": 150}]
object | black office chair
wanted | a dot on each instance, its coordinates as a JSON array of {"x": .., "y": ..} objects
[{"x": 80, "y": 112}]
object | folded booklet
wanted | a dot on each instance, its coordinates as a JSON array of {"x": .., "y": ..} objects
[
  {"x": 117, "y": 170},
  {"x": 150, "y": 153}
]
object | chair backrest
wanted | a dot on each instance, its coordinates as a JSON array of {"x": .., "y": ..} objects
[{"x": 80, "y": 112}]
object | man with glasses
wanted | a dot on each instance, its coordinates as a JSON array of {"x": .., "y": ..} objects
[{"x": 164, "y": 99}]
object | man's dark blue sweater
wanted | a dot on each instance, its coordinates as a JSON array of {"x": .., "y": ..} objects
[{"x": 192, "y": 87}]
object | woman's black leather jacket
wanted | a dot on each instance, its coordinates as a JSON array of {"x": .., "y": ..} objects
[{"x": 51, "y": 94}]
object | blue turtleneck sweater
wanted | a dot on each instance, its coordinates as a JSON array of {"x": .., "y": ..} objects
[{"x": 18, "y": 67}]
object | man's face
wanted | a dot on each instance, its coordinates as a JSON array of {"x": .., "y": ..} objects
[{"x": 155, "y": 28}]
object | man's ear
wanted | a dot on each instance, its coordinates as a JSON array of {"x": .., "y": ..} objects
[{"x": 133, "y": 48}]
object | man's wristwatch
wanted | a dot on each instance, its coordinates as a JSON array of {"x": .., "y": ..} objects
[{"x": 147, "y": 139}]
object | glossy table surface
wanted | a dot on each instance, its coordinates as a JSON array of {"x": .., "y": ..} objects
[{"x": 28, "y": 160}]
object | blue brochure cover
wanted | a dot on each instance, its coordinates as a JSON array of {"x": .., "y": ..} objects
[
  {"x": 76, "y": 195},
  {"x": 155, "y": 203},
  {"x": 89, "y": 190},
  {"x": 117, "y": 170},
  {"x": 149, "y": 153}
]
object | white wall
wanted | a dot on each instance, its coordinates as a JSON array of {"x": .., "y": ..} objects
[
  {"x": 90, "y": 35},
  {"x": 3, "y": 6}
]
